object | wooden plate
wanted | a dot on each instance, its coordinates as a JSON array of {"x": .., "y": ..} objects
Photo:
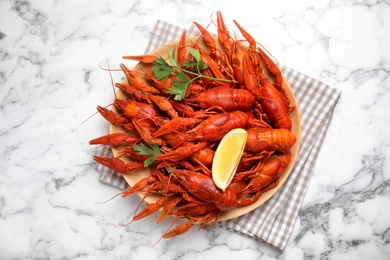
[{"x": 133, "y": 177}]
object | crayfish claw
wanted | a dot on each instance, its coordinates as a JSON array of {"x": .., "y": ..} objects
[
  {"x": 112, "y": 163},
  {"x": 142, "y": 58},
  {"x": 116, "y": 139},
  {"x": 181, "y": 152},
  {"x": 111, "y": 117},
  {"x": 118, "y": 165}
]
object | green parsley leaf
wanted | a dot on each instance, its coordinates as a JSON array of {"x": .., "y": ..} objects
[
  {"x": 181, "y": 86},
  {"x": 182, "y": 77},
  {"x": 161, "y": 69},
  {"x": 142, "y": 149},
  {"x": 171, "y": 58},
  {"x": 190, "y": 63},
  {"x": 202, "y": 65},
  {"x": 170, "y": 169},
  {"x": 195, "y": 53},
  {"x": 197, "y": 65},
  {"x": 149, "y": 161}
]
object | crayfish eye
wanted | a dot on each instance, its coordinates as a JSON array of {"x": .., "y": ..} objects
[
  {"x": 118, "y": 108},
  {"x": 120, "y": 105}
]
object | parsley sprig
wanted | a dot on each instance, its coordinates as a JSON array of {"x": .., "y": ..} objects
[
  {"x": 162, "y": 70},
  {"x": 153, "y": 150}
]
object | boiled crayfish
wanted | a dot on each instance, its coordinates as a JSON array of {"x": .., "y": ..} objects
[{"x": 175, "y": 136}]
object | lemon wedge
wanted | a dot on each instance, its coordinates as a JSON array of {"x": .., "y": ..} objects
[{"x": 227, "y": 157}]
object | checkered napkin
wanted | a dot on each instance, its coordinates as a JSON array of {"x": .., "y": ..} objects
[{"x": 273, "y": 221}]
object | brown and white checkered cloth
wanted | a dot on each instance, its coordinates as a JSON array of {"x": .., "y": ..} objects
[{"x": 273, "y": 221}]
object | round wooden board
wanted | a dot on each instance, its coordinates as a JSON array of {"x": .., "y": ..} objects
[{"x": 133, "y": 177}]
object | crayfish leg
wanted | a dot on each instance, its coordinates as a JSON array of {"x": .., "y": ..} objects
[
  {"x": 179, "y": 230},
  {"x": 250, "y": 200},
  {"x": 247, "y": 36},
  {"x": 182, "y": 55},
  {"x": 224, "y": 36},
  {"x": 151, "y": 208},
  {"x": 139, "y": 185},
  {"x": 273, "y": 68},
  {"x": 169, "y": 206}
]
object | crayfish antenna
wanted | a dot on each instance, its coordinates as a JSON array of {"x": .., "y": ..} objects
[
  {"x": 173, "y": 222},
  {"x": 116, "y": 195},
  {"x": 124, "y": 225},
  {"x": 112, "y": 84},
  {"x": 109, "y": 70},
  {"x": 95, "y": 114},
  {"x": 139, "y": 204}
]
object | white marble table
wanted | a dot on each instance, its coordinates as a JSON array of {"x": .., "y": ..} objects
[{"x": 51, "y": 83}]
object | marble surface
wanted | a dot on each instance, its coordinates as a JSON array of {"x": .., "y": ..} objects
[{"x": 51, "y": 83}]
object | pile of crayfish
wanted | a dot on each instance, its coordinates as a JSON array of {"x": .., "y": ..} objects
[{"x": 172, "y": 125}]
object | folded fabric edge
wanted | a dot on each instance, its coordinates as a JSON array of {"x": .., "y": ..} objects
[
  {"x": 283, "y": 237},
  {"x": 268, "y": 232},
  {"x": 298, "y": 188},
  {"x": 278, "y": 235}
]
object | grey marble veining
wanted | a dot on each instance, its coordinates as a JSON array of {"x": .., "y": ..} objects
[{"x": 51, "y": 83}]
